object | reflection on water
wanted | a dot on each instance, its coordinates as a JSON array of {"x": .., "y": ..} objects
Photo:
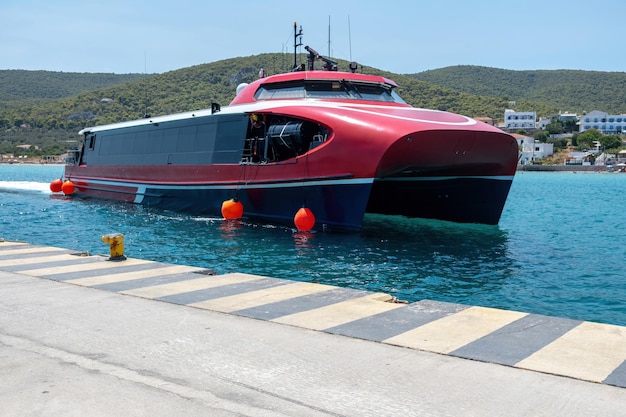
[
  {"x": 231, "y": 228},
  {"x": 303, "y": 241}
]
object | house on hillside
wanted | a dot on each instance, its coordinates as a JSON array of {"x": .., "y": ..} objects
[
  {"x": 606, "y": 123},
  {"x": 531, "y": 150},
  {"x": 518, "y": 120}
]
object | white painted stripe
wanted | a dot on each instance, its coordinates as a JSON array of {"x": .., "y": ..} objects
[
  {"x": 260, "y": 297},
  {"x": 295, "y": 184},
  {"x": 24, "y": 251},
  {"x": 355, "y": 106},
  {"x": 98, "y": 263},
  {"x": 37, "y": 260},
  {"x": 457, "y": 330},
  {"x": 179, "y": 287},
  {"x": 340, "y": 313},
  {"x": 142, "y": 187},
  {"x": 141, "y": 192},
  {"x": 590, "y": 351},
  {"x": 129, "y": 276},
  {"x": 10, "y": 243}
]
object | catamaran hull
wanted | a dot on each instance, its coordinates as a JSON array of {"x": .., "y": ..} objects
[
  {"x": 337, "y": 204},
  {"x": 457, "y": 199}
]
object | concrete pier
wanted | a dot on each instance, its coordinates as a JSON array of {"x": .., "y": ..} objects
[{"x": 80, "y": 335}]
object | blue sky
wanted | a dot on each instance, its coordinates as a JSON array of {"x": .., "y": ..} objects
[{"x": 398, "y": 36}]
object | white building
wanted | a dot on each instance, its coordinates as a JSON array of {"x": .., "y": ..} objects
[
  {"x": 544, "y": 121},
  {"x": 531, "y": 150},
  {"x": 604, "y": 122},
  {"x": 514, "y": 120},
  {"x": 563, "y": 117}
]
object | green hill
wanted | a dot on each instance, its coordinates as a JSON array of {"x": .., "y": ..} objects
[
  {"x": 196, "y": 87},
  {"x": 47, "y": 109},
  {"x": 19, "y": 88},
  {"x": 567, "y": 90}
]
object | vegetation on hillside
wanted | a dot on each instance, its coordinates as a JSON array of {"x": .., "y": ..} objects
[
  {"x": 47, "y": 109},
  {"x": 19, "y": 88},
  {"x": 566, "y": 90}
]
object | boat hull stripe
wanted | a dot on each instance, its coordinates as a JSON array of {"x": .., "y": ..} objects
[{"x": 141, "y": 188}]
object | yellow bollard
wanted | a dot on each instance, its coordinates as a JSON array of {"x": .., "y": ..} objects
[{"x": 116, "y": 244}]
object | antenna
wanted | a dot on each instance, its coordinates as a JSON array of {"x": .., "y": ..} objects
[
  {"x": 350, "y": 38},
  {"x": 329, "y": 54},
  {"x": 296, "y": 43}
]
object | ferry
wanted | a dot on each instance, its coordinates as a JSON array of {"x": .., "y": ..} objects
[{"x": 338, "y": 143}]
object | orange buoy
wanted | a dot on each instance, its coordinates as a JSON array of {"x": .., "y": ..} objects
[
  {"x": 232, "y": 209},
  {"x": 56, "y": 185},
  {"x": 67, "y": 187},
  {"x": 304, "y": 219}
]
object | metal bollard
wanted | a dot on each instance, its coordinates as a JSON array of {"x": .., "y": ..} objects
[{"x": 116, "y": 244}]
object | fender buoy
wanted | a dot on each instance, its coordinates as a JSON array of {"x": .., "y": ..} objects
[
  {"x": 56, "y": 186},
  {"x": 232, "y": 209},
  {"x": 304, "y": 219},
  {"x": 67, "y": 187}
]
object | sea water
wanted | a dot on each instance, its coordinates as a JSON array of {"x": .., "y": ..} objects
[{"x": 559, "y": 249}]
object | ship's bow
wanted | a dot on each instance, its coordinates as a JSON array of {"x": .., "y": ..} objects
[{"x": 456, "y": 175}]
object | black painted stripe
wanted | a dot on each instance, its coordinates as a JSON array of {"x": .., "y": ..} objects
[
  {"x": 301, "y": 303},
  {"x": 51, "y": 264},
  {"x": 28, "y": 255},
  {"x": 518, "y": 340},
  {"x": 222, "y": 291},
  {"x": 394, "y": 322},
  {"x": 132, "y": 284},
  {"x": 109, "y": 268},
  {"x": 617, "y": 377}
]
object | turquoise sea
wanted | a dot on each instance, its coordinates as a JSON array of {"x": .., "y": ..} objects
[{"x": 559, "y": 249}]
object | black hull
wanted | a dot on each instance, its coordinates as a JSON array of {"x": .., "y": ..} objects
[{"x": 461, "y": 199}]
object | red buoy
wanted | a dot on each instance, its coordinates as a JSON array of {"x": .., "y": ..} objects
[
  {"x": 67, "y": 187},
  {"x": 56, "y": 186},
  {"x": 304, "y": 219},
  {"x": 232, "y": 209}
]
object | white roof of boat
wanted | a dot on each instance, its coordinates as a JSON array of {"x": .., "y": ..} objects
[{"x": 158, "y": 119}]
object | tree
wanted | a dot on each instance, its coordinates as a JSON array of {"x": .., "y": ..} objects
[
  {"x": 610, "y": 142},
  {"x": 559, "y": 143},
  {"x": 587, "y": 138},
  {"x": 554, "y": 127},
  {"x": 570, "y": 126},
  {"x": 541, "y": 136}
]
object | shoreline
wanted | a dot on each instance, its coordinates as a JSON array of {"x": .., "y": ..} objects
[{"x": 563, "y": 168}]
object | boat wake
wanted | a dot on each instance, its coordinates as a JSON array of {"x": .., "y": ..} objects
[{"x": 27, "y": 186}]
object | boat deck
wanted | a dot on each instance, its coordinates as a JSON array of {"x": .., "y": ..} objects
[{"x": 576, "y": 349}]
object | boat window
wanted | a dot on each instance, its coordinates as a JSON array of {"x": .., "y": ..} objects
[
  {"x": 91, "y": 141},
  {"x": 372, "y": 92},
  {"x": 280, "y": 90},
  {"x": 328, "y": 89}
]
